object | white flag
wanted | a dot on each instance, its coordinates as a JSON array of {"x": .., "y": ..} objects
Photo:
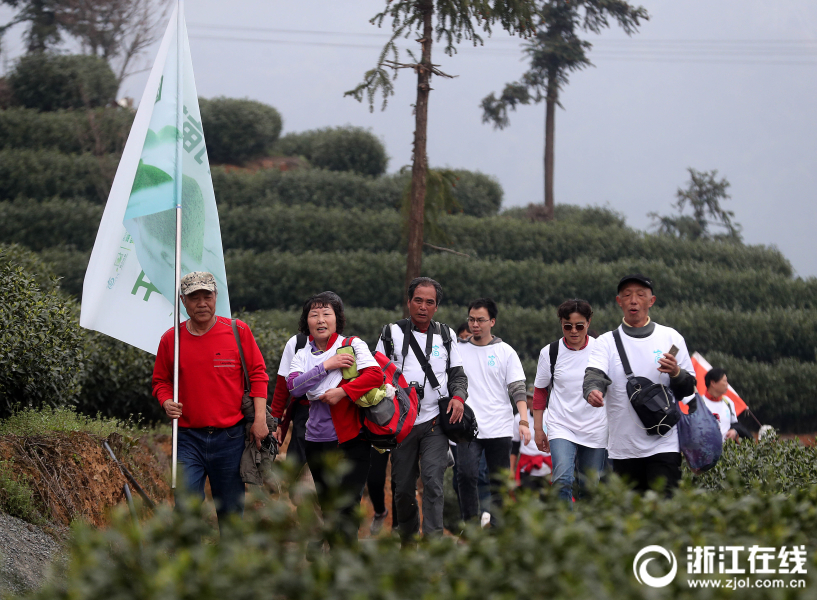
[{"x": 130, "y": 281}]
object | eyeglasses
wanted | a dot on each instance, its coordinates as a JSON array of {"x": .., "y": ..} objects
[
  {"x": 570, "y": 326},
  {"x": 480, "y": 321}
]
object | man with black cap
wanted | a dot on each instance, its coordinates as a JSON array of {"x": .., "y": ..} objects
[{"x": 642, "y": 458}]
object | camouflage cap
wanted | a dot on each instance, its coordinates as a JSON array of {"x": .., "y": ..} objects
[{"x": 198, "y": 280}]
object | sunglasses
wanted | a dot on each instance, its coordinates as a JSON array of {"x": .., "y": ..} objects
[{"x": 570, "y": 326}]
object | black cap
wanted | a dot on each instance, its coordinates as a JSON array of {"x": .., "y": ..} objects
[{"x": 642, "y": 279}]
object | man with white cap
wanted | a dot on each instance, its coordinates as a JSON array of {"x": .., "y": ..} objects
[{"x": 211, "y": 386}]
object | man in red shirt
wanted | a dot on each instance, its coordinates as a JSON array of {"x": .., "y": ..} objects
[{"x": 211, "y": 386}]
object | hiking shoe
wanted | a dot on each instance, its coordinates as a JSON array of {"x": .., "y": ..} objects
[{"x": 377, "y": 522}]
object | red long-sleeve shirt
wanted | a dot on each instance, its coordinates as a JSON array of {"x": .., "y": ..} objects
[
  {"x": 279, "y": 397},
  {"x": 211, "y": 380},
  {"x": 540, "y": 399}
]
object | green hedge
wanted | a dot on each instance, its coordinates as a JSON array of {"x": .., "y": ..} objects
[
  {"x": 260, "y": 280},
  {"x": 48, "y": 173},
  {"x": 307, "y": 227},
  {"x": 478, "y": 194},
  {"x": 337, "y": 149},
  {"x": 50, "y": 223},
  {"x": 40, "y": 357},
  {"x": 69, "y": 265},
  {"x": 304, "y": 227},
  {"x": 311, "y": 186},
  {"x": 103, "y": 130},
  {"x": 573, "y": 552},
  {"x": 278, "y": 280},
  {"x": 238, "y": 130},
  {"x": 46, "y": 81}
]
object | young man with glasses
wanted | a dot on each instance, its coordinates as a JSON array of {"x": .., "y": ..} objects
[
  {"x": 494, "y": 373},
  {"x": 576, "y": 432}
]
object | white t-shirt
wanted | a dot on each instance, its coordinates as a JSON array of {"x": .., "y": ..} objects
[
  {"x": 570, "y": 417},
  {"x": 530, "y": 448},
  {"x": 722, "y": 413},
  {"x": 627, "y": 437},
  {"x": 304, "y": 360},
  {"x": 287, "y": 355},
  {"x": 413, "y": 372},
  {"x": 489, "y": 370}
]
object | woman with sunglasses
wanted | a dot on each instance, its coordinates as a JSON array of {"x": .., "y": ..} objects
[{"x": 576, "y": 433}]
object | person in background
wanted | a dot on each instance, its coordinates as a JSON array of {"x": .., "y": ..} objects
[
  {"x": 334, "y": 418},
  {"x": 575, "y": 433},
  {"x": 463, "y": 333},
  {"x": 211, "y": 387},
  {"x": 719, "y": 405},
  {"x": 530, "y": 466}
]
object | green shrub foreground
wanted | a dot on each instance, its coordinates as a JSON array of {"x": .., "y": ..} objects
[{"x": 541, "y": 549}]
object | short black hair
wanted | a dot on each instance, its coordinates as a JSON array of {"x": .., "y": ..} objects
[
  {"x": 423, "y": 281},
  {"x": 713, "y": 375},
  {"x": 461, "y": 328},
  {"x": 576, "y": 305},
  {"x": 486, "y": 303},
  {"x": 330, "y": 299}
]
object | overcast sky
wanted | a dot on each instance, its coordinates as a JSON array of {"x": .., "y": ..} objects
[{"x": 727, "y": 85}]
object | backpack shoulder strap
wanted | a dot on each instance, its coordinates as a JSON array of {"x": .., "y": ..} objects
[
  {"x": 445, "y": 334},
  {"x": 300, "y": 341},
  {"x": 348, "y": 341},
  {"x": 241, "y": 356},
  {"x": 622, "y": 354},
  {"x": 388, "y": 340},
  {"x": 554, "y": 354}
]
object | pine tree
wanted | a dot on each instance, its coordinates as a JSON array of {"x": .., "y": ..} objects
[{"x": 555, "y": 51}]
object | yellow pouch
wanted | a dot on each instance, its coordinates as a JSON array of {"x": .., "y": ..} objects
[
  {"x": 372, "y": 398},
  {"x": 348, "y": 373}
]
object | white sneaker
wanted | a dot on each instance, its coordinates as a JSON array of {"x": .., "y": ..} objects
[{"x": 485, "y": 519}]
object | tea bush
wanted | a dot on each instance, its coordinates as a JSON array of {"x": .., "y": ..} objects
[
  {"x": 46, "y": 81},
  {"x": 771, "y": 465},
  {"x": 44, "y": 174},
  {"x": 102, "y": 130},
  {"x": 541, "y": 545},
  {"x": 41, "y": 347},
  {"x": 337, "y": 149},
  {"x": 236, "y": 131},
  {"x": 282, "y": 279},
  {"x": 304, "y": 227}
]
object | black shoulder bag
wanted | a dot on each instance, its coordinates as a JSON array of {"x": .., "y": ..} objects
[
  {"x": 654, "y": 403},
  {"x": 466, "y": 429}
]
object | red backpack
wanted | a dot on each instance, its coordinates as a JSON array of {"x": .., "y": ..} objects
[{"x": 389, "y": 422}]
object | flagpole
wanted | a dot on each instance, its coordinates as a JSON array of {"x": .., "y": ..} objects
[{"x": 178, "y": 274}]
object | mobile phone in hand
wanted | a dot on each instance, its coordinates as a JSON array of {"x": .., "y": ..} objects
[{"x": 673, "y": 350}]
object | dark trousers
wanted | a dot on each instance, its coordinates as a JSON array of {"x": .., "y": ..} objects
[
  {"x": 297, "y": 442},
  {"x": 424, "y": 451},
  {"x": 376, "y": 482},
  {"x": 643, "y": 473},
  {"x": 213, "y": 453},
  {"x": 345, "y": 497},
  {"x": 497, "y": 455}
]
